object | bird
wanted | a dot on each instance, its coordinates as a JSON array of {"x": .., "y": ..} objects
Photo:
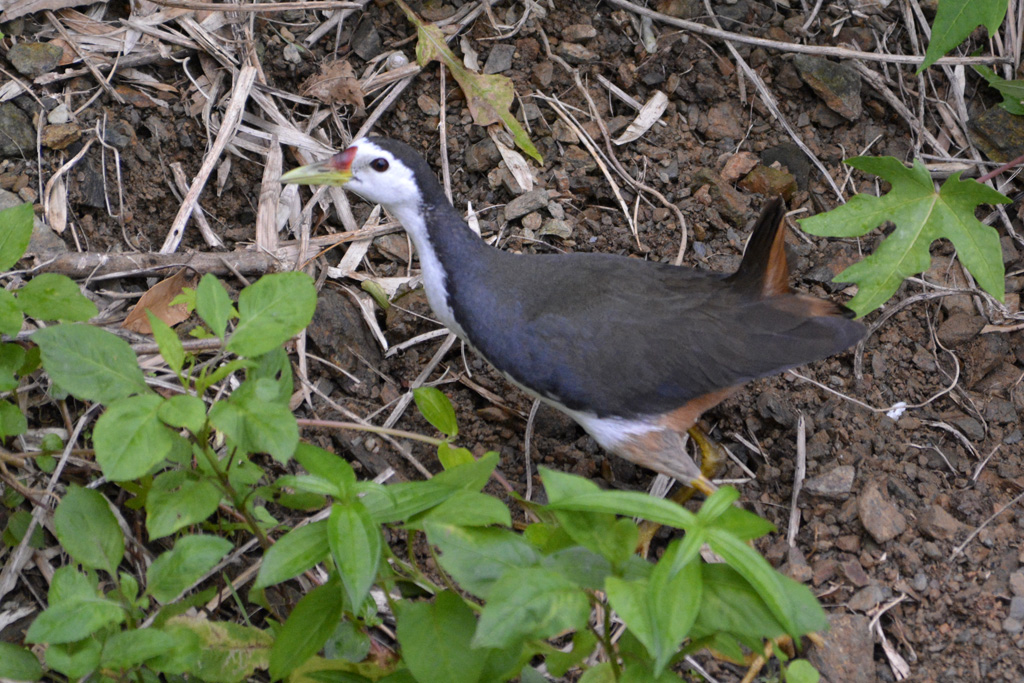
[{"x": 633, "y": 350}]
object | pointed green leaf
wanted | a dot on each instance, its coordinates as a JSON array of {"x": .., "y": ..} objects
[
  {"x": 921, "y": 216},
  {"x": 530, "y": 603},
  {"x": 295, "y": 552},
  {"x": 436, "y": 639},
  {"x": 11, "y": 318},
  {"x": 168, "y": 342},
  {"x": 88, "y": 530},
  {"x": 130, "y": 438},
  {"x": 12, "y": 420},
  {"x": 478, "y": 557},
  {"x": 90, "y": 363},
  {"x": 437, "y": 409},
  {"x": 131, "y": 648},
  {"x": 271, "y": 311},
  {"x": 177, "y": 569},
  {"x": 55, "y": 297},
  {"x": 183, "y": 410},
  {"x": 308, "y": 627},
  {"x": 178, "y": 499},
  {"x": 18, "y": 664},
  {"x": 957, "y": 19},
  {"x": 15, "y": 233},
  {"x": 214, "y": 305},
  {"x": 356, "y": 545}
]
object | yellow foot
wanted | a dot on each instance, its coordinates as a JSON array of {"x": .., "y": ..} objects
[{"x": 712, "y": 461}]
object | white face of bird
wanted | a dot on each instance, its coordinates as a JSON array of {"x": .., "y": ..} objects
[{"x": 370, "y": 171}]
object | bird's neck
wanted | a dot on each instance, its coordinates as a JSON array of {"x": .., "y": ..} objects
[{"x": 450, "y": 252}]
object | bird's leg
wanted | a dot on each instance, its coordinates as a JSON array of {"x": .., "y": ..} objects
[{"x": 712, "y": 460}]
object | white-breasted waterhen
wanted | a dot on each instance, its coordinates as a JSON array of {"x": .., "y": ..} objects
[{"x": 633, "y": 350}]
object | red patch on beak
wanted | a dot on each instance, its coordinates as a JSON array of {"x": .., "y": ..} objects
[{"x": 342, "y": 161}]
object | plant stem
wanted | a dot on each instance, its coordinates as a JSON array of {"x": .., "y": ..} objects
[{"x": 401, "y": 433}]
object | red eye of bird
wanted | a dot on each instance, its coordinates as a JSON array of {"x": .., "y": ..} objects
[{"x": 379, "y": 165}]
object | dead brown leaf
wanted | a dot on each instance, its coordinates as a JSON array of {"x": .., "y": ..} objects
[
  {"x": 157, "y": 300},
  {"x": 12, "y": 9},
  {"x": 335, "y": 83}
]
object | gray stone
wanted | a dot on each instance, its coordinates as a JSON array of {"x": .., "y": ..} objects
[
  {"x": 575, "y": 53},
  {"x": 500, "y": 59},
  {"x": 837, "y": 84},
  {"x": 482, "y": 156},
  {"x": 866, "y": 598},
  {"x": 836, "y": 483},
  {"x": 35, "y": 59},
  {"x": 17, "y": 137},
  {"x": 938, "y": 524},
  {"x": 849, "y": 644},
  {"x": 533, "y": 200},
  {"x": 574, "y": 33},
  {"x": 880, "y": 517},
  {"x": 557, "y": 227},
  {"x": 959, "y": 328},
  {"x": 1016, "y": 608},
  {"x": 366, "y": 41},
  {"x": 920, "y": 582}
]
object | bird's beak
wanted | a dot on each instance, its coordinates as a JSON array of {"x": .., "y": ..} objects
[{"x": 334, "y": 171}]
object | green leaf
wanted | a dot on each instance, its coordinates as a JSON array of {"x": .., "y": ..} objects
[
  {"x": 436, "y": 640},
  {"x": 1012, "y": 91},
  {"x": 801, "y": 671},
  {"x": 466, "y": 508},
  {"x": 327, "y": 466},
  {"x": 231, "y": 653},
  {"x": 168, "y": 342},
  {"x": 18, "y": 664},
  {"x": 783, "y": 596},
  {"x": 272, "y": 311},
  {"x": 74, "y": 620},
  {"x": 90, "y": 363},
  {"x": 661, "y": 611},
  {"x": 436, "y": 409},
  {"x": 11, "y": 318},
  {"x": 921, "y": 216},
  {"x": 583, "y": 643},
  {"x": 74, "y": 660},
  {"x": 602, "y": 673},
  {"x": 294, "y": 553},
  {"x": 957, "y": 19},
  {"x": 183, "y": 410},
  {"x": 214, "y": 305},
  {"x": 177, "y": 499},
  {"x": 178, "y": 569},
  {"x": 569, "y": 492},
  {"x": 478, "y": 557},
  {"x": 12, "y": 420},
  {"x": 453, "y": 457},
  {"x": 530, "y": 603},
  {"x": 130, "y": 648},
  {"x": 55, "y": 297},
  {"x": 488, "y": 96},
  {"x": 718, "y": 504},
  {"x": 308, "y": 627},
  {"x": 355, "y": 543},
  {"x": 743, "y": 524},
  {"x": 181, "y": 656},
  {"x": 15, "y": 233},
  {"x": 398, "y": 502},
  {"x": 88, "y": 530},
  {"x": 12, "y": 357},
  {"x": 255, "y": 425},
  {"x": 130, "y": 439},
  {"x": 17, "y": 525}
]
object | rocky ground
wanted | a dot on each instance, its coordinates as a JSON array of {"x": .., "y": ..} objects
[{"x": 909, "y": 529}]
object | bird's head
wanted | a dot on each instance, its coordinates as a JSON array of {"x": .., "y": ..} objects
[{"x": 379, "y": 170}]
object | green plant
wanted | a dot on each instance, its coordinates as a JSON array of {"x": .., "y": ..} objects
[{"x": 495, "y": 601}]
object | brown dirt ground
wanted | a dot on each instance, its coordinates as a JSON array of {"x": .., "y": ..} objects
[{"x": 944, "y": 611}]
